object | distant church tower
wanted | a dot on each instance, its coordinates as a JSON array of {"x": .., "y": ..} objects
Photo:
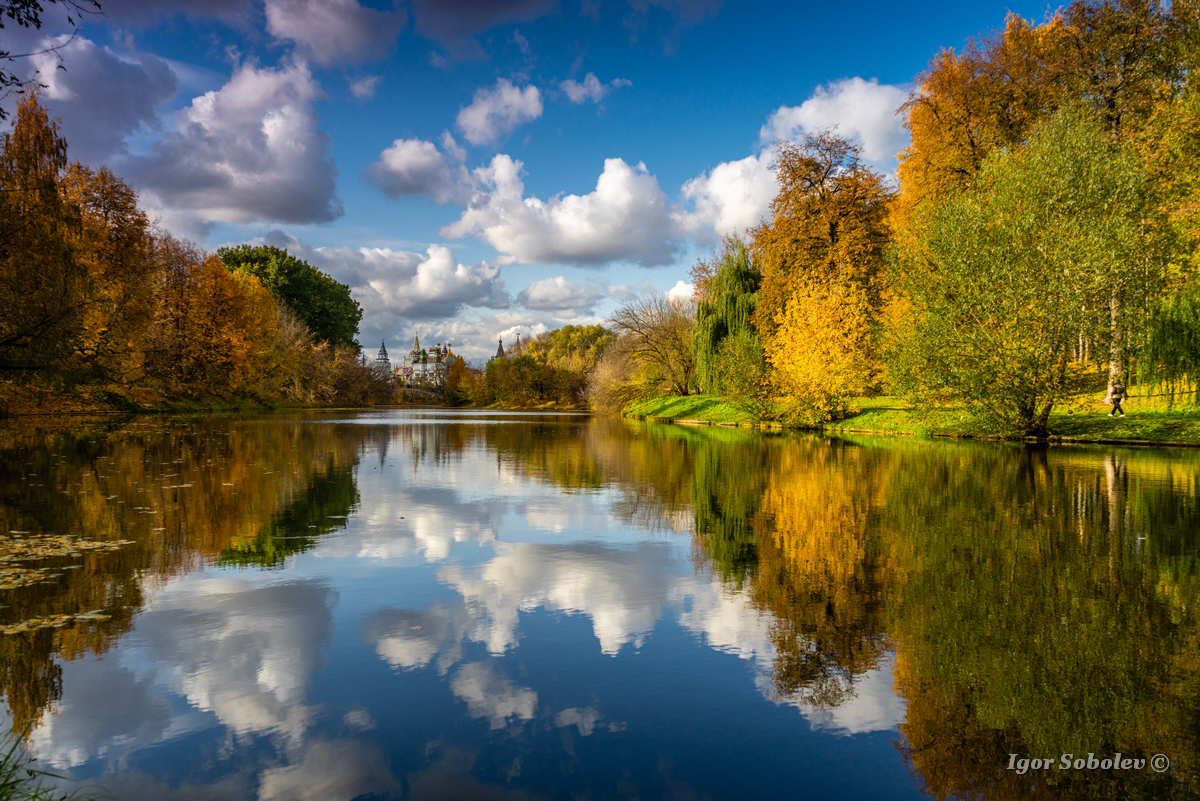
[
  {"x": 500, "y": 350},
  {"x": 382, "y": 359}
]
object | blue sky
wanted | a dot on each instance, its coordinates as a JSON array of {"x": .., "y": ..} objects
[{"x": 475, "y": 168}]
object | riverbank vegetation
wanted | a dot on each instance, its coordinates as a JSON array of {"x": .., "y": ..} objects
[
  {"x": 550, "y": 370},
  {"x": 1037, "y": 247},
  {"x": 105, "y": 309}
]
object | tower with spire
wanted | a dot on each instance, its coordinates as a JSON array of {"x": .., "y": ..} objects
[
  {"x": 425, "y": 366},
  {"x": 382, "y": 362}
]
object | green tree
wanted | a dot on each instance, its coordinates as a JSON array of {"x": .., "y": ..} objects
[
  {"x": 1170, "y": 352},
  {"x": 1111, "y": 60},
  {"x": 322, "y": 303},
  {"x": 724, "y": 310},
  {"x": 1012, "y": 274}
]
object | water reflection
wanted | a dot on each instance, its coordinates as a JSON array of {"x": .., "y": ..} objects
[{"x": 560, "y": 606}]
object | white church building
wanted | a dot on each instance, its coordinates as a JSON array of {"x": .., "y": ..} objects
[{"x": 419, "y": 366}]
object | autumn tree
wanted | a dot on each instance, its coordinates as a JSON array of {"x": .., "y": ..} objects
[
  {"x": 568, "y": 355},
  {"x": 657, "y": 331},
  {"x": 42, "y": 287},
  {"x": 204, "y": 332},
  {"x": 969, "y": 103},
  {"x": 456, "y": 391},
  {"x": 324, "y": 305},
  {"x": 111, "y": 248},
  {"x": 1012, "y": 274},
  {"x": 77, "y": 277},
  {"x": 821, "y": 256}
]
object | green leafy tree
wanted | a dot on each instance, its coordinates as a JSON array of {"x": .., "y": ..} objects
[
  {"x": 1011, "y": 275},
  {"x": 322, "y": 303},
  {"x": 1111, "y": 60},
  {"x": 1170, "y": 353},
  {"x": 724, "y": 310}
]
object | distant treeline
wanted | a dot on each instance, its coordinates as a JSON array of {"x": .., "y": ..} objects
[
  {"x": 551, "y": 369},
  {"x": 99, "y": 302}
]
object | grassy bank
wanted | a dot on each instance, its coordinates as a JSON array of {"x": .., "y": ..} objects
[
  {"x": 707, "y": 408},
  {"x": 1087, "y": 419}
]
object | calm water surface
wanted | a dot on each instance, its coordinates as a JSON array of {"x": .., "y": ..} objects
[{"x": 435, "y": 605}]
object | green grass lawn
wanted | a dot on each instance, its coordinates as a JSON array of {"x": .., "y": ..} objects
[
  {"x": 692, "y": 407},
  {"x": 1084, "y": 419}
]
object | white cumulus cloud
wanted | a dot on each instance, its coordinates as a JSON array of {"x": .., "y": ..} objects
[
  {"x": 416, "y": 168},
  {"x": 591, "y": 88},
  {"x": 682, "y": 292},
  {"x": 397, "y": 287},
  {"x": 863, "y": 110},
  {"x": 251, "y": 150},
  {"x": 626, "y": 217},
  {"x": 734, "y": 197},
  {"x": 329, "y": 31},
  {"x": 560, "y": 294},
  {"x": 496, "y": 112},
  {"x": 101, "y": 98}
]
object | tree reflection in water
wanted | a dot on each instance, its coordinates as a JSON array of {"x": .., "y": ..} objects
[
  {"x": 187, "y": 493},
  {"x": 1037, "y": 601},
  {"x": 1025, "y": 600}
]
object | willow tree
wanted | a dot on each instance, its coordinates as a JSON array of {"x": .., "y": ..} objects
[
  {"x": 725, "y": 310},
  {"x": 1170, "y": 353},
  {"x": 1009, "y": 276}
]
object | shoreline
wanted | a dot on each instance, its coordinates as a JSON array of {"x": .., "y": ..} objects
[{"x": 1144, "y": 427}]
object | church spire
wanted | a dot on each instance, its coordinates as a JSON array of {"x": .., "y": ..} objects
[{"x": 500, "y": 350}]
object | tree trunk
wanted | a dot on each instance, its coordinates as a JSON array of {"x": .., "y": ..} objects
[{"x": 1116, "y": 351}]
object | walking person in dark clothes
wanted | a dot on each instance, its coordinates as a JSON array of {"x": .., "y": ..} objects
[{"x": 1115, "y": 397}]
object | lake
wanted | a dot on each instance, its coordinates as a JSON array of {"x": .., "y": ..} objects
[{"x": 440, "y": 604}]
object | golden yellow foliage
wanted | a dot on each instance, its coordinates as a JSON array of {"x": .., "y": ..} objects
[{"x": 821, "y": 351}]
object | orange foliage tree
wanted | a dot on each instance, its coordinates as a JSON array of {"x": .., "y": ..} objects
[
  {"x": 111, "y": 249},
  {"x": 822, "y": 264},
  {"x": 203, "y": 334}
]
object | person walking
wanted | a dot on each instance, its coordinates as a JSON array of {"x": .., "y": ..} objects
[{"x": 1115, "y": 397}]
